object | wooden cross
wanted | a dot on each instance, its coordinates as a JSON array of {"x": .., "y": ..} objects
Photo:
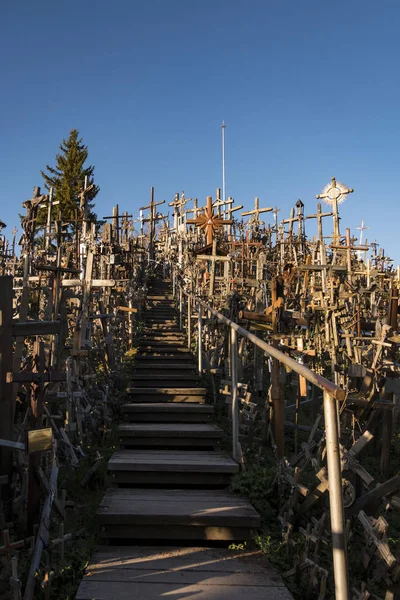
[
  {"x": 178, "y": 205},
  {"x": 229, "y": 213},
  {"x": 208, "y": 221},
  {"x": 255, "y": 214},
  {"x": 49, "y": 205},
  {"x": 290, "y": 220},
  {"x": 152, "y": 220},
  {"x": 9, "y": 547},
  {"x": 28, "y": 222},
  {"x": 319, "y": 216},
  {"x": 83, "y": 204}
]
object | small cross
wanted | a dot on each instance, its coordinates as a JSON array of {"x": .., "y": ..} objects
[{"x": 361, "y": 229}]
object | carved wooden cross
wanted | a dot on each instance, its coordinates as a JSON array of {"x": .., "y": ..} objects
[{"x": 208, "y": 221}]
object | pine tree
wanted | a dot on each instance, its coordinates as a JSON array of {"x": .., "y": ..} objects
[{"x": 68, "y": 178}]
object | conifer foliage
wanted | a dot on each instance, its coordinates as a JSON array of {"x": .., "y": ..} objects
[{"x": 68, "y": 178}]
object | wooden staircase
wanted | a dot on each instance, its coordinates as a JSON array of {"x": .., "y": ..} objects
[{"x": 169, "y": 477}]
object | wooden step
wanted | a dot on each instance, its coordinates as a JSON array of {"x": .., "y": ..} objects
[
  {"x": 163, "y": 394},
  {"x": 162, "y": 321},
  {"x": 154, "y": 359},
  {"x": 164, "y": 412},
  {"x": 169, "y": 435},
  {"x": 175, "y": 514},
  {"x": 167, "y": 337},
  {"x": 180, "y": 573},
  {"x": 163, "y": 349},
  {"x": 148, "y": 366},
  {"x": 175, "y": 380},
  {"x": 171, "y": 467},
  {"x": 161, "y": 328}
]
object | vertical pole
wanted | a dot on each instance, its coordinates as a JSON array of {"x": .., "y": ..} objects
[
  {"x": 223, "y": 163},
  {"x": 48, "y": 226},
  {"x": 234, "y": 393},
  {"x": 7, "y": 399},
  {"x": 189, "y": 322},
  {"x": 336, "y": 499},
  {"x": 200, "y": 341},
  {"x": 180, "y": 308}
]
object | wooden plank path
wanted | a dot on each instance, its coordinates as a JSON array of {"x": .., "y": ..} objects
[{"x": 169, "y": 483}]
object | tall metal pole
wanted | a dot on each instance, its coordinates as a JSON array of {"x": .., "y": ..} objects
[
  {"x": 339, "y": 548},
  {"x": 223, "y": 162}
]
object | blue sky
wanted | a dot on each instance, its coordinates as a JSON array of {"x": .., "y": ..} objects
[{"x": 307, "y": 89}]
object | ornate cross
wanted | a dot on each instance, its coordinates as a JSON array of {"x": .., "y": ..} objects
[
  {"x": 333, "y": 194},
  {"x": 208, "y": 221}
]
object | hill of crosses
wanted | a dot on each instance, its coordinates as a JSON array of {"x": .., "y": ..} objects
[{"x": 196, "y": 354}]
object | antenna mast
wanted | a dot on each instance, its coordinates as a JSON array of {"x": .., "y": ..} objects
[{"x": 223, "y": 162}]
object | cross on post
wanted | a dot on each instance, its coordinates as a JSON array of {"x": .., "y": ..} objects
[
  {"x": 255, "y": 214},
  {"x": 229, "y": 213},
  {"x": 335, "y": 193},
  {"x": 153, "y": 218},
  {"x": 28, "y": 222},
  {"x": 179, "y": 212},
  {"x": 319, "y": 216},
  {"x": 208, "y": 221}
]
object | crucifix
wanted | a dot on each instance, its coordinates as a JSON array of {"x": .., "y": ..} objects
[
  {"x": 83, "y": 204},
  {"x": 28, "y": 222},
  {"x": 335, "y": 193},
  {"x": 255, "y": 214},
  {"x": 176, "y": 204},
  {"x": 152, "y": 220},
  {"x": 208, "y": 221},
  {"x": 275, "y": 213},
  {"x": 319, "y": 216}
]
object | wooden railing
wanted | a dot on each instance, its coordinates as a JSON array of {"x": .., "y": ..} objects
[{"x": 332, "y": 394}]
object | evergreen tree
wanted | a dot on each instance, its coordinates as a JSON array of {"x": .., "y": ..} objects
[{"x": 68, "y": 178}]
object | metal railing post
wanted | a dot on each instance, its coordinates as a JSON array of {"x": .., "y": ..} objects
[
  {"x": 173, "y": 281},
  {"x": 339, "y": 548},
  {"x": 200, "y": 340},
  {"x": 180, "y": 308},
  {"x": 189, "y": 322},
  {"x": 234, "y": 393}
]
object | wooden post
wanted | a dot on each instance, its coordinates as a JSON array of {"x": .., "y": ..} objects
[
  {"x": 234, "y": 393},
  {"x": 277, "y": 397},
  {"x": 189, "y": 322},
  {"x": 200, "y": 341},
  {"x": 6, "y": 363}
]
